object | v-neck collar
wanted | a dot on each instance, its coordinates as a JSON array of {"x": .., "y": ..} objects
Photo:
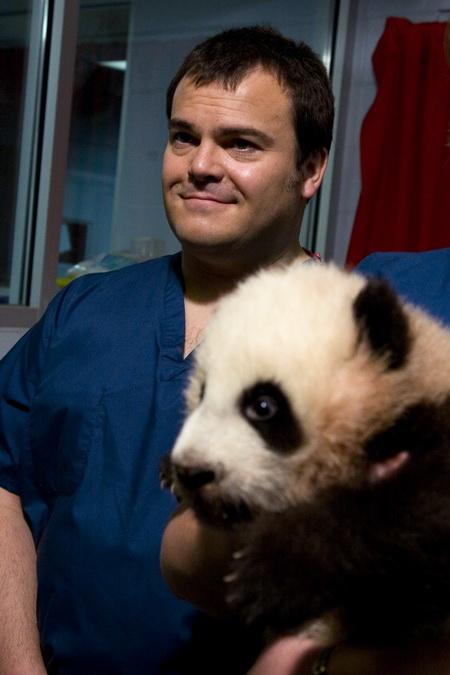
[{"x": 172, "y": 331}]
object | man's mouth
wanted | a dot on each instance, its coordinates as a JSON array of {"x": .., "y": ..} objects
[{"x": 207, "y": 197}]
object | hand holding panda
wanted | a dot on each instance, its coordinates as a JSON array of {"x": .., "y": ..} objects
[{"x": 319, "y": 427}]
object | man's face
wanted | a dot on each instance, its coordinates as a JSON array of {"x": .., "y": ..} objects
[{"x": 230, "y": 177}]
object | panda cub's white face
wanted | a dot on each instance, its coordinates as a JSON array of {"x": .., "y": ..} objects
[{"x": 300, "y": 369}]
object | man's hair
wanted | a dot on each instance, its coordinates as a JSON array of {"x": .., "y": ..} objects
[{"x": 228, "y": 57}]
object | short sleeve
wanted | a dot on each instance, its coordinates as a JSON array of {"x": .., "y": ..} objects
[{"x": 20, "y": 373}]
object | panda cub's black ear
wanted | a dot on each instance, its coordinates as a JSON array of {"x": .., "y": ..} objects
[{"x": 383, "y": 322}]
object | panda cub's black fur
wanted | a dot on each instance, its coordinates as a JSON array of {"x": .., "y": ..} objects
[{"x": 319, "y": 427}]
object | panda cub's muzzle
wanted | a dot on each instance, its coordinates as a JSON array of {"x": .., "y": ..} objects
[{"x": 199, "y": 487}]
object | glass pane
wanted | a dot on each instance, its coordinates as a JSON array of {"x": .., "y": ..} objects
[
  {"x": 127, "y": 54},
  {"x": 19, "y": 93},
  {"x": 94, "y": 137}
]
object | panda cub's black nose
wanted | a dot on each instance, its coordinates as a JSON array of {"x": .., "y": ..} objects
[{"x": 193, "y": 478}]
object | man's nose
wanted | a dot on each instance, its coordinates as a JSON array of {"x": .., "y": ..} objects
[{"x": 206, "y": 163}]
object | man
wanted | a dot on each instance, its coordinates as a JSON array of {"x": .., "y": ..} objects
[{"x": 92, "y": 396}]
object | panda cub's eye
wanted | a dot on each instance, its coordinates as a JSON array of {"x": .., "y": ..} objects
[
  {"x": 266, "y": 408},
  {"x": 261, "y": 409}
]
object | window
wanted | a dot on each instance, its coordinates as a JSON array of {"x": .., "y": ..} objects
[
  {"x": 22, "y": 50},
  {"x": 37, "y": 43}
]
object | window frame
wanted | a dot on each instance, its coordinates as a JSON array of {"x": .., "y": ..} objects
[{"x": 47, "y": 192}]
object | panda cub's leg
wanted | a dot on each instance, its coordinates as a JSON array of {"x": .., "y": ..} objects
[{"x": 288, "y": 573}]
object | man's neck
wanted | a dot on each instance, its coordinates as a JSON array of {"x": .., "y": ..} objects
[
  {"x": 204, "y": 285},
  {"x": 206, "y": 280}
]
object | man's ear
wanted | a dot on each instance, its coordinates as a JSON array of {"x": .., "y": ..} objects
[{"x": 312, "y": 171}]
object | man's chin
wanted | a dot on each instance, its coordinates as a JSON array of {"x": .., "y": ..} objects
[{"x": 206, "y": 237}]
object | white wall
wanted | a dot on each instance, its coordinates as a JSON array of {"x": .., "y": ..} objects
[{"x": 359, "y": 89}]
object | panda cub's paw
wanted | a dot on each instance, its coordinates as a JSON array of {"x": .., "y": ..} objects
[
  {"x": 245, "y": 587},
  {"x": 166, "y": 476},
  {"x": 259, "y": 590}
]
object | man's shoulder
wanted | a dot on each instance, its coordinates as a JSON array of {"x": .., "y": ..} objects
[
  {"x": 140, "y": 280},
  {"x": 422, "y": 278},
  {"x": 154, "y": 270},
  {"x": 115, "y": 298}
]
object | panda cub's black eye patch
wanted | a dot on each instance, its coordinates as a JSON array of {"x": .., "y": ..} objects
[{"x": 267, "y": 409}]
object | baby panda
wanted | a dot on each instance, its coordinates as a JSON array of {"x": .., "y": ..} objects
[{"x": 319, "y": 429}]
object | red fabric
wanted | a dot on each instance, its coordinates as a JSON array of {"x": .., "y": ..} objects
[{"x": 405, "y": 145}]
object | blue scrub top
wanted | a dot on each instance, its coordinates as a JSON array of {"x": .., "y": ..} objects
[
  {"x": 91, "y": 398},
  {"x": 421, "y": 278}
]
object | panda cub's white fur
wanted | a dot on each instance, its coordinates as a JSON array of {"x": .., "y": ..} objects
[{"x": 319, "y": 425}]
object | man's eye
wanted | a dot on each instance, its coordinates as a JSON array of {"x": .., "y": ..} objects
[
  {"x": 181, "y": 138},
  {"x": 243, "y": 145}
]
